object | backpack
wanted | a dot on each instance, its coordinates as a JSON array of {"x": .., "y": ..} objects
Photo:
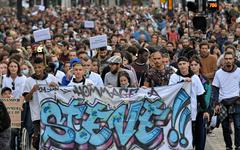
[{"x": 5, "y": 121}]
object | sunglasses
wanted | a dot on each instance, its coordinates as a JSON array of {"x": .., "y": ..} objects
[{"x": 13, "y": 86}]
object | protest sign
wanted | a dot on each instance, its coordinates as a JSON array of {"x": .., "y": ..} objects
[
  {"x": 41, "y": 8},
  {"x": 88, "y": 117},
  {"x": 98, "y": 41},
  {"x": 42, "y": 34},
  {"x": 14, "y": 109},
  {"x": 88, "y": 24}
]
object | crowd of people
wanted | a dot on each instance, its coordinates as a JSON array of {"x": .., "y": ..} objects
[{"x": 147, "y": 47}]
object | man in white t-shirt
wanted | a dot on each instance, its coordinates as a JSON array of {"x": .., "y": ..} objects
[
  {"x": 30, "y": 93},
  {"x": 96, "y": 78},
  {"x": 197, "y": 92},
  {"x": 226, "y": 83}
]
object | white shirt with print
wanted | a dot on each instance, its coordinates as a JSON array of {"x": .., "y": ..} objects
[{"x": 34, "y": 103}]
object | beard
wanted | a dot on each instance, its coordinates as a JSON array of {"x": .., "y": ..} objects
[
  {"x": 114, "y": 71},
  {"x": 228, "y": 65},
  {"x": 204, "y": 54}
]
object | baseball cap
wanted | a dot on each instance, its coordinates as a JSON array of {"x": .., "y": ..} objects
[
  {"x": 115, "y": 60},
  {"x": 39, "y": 49},
  {"x": 74, "y": 60}
]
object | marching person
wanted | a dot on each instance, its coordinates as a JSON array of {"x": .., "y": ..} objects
[
  {"x": 5, "y": 121},
  {"x": 158, "y": 75},
  {"x": 202, "y": 115},
  {"x": 40, "y": 77},
  {"x": 197, "y": 90},
  {"x": 226, "y": 83},
  {"x": 79, "y": 78}
]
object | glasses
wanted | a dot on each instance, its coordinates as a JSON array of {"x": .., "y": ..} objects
[{"x": 13, "y": 86}]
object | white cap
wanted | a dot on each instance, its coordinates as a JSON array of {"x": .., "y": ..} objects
[{"x": 109, "y": 48}]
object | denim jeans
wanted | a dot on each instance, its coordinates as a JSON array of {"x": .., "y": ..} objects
[{"x": 227, "y": 132}]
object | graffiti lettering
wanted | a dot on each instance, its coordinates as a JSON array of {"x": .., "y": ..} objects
[
  {"x": 80, "y": 125},
  {"x": 153, "y": 93},
  {"x": 86, "y": 91}
]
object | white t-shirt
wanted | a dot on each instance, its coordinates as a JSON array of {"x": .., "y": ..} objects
[
  {"x": 96, "y": 79},
  {"x": 34, "y": 103},
  {"x": 196, "y": 90},
  {"x": 228, "y": 83},
  {"x": 59, "y": 75},
  {"x": 87, "y": 82},
  {"x": 19, "y": 83}
]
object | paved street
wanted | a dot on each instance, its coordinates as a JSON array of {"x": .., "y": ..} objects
[{"x": 216, "y": 142}]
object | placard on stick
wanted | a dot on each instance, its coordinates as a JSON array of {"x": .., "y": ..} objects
[
  {"x": 42, "y": 34},
  {"x": 98, "y": 41},
  {"x": 88, "y": 24}
]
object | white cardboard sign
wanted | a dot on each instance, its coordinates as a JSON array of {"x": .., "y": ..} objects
[
  {"x": 43, "y": 34},
  {"x": 41, "y": 7},
  {"x": 88, "y": 24},
  {"x": 98, "y": 41}
]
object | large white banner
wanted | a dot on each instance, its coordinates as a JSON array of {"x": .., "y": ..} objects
[{"x": 90, "y": 117}]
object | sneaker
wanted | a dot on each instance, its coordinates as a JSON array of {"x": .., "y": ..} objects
[{"x": 211, "y": 134}]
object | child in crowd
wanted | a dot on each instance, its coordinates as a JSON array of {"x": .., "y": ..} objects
[
  {"x": 124, "y": 79},
  {"x": 5, "y": 121}
]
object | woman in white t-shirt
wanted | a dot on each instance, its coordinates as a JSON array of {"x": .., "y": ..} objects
[
  {"x": 78, "y": 78},
  {"x": 16, "y": 82},
  {"x": 14, "y": 79}
]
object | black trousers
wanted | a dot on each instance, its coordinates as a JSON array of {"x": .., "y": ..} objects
[{"x": 36, "y": 134}]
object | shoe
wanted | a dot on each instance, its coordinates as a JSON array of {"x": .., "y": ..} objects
[
  {"x": 237, "y": 148},
  {"x": 211, "y": 134}
]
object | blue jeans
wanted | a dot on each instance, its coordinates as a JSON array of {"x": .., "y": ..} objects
[{"x": 227, "y": 132}]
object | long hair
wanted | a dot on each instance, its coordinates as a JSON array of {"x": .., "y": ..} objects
[
  {"x": 197, "y": 60},
  {"x": 120, "y": 74},
  {"x": 18, "y": 65}
]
